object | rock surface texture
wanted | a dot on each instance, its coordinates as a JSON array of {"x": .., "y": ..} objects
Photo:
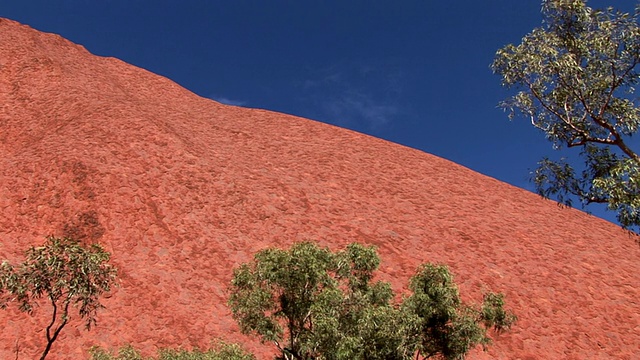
[{"x": 181, "y": 189}]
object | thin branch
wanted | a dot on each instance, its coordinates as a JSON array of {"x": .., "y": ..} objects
[
  {"x": 616, "y": 84},
  {"x": 65, "y": 318},
  {"x": 584, "y": 141},
  {"x": 17, "y": 347},
  {"x": 53, "y": 319},
  {"x": 308, "y": 316},
  {"x": 617, "y": 138},
  {"x": 541, "y": 101},
  {"x": 585, "y": 135},
  {"x": 279, "y": 347},
  {"x": 596, "y": 201}
]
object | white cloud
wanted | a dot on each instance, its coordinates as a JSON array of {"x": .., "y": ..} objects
[
  {"x": 354, "y": 107},
  {"x": 361, "y": 97},
  {"x": 227, "y": 101}
]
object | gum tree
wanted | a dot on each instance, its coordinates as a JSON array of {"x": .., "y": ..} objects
[
  {"x": 63, "y": 273},
  {"x": 316, "y": 304},
  {"x": 575, "y": 78}
]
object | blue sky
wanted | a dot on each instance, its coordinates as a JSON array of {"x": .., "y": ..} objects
[{"x": 412, "y": 72}]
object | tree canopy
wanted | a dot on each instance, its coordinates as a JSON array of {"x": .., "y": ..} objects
[
  {"x": 316, "y": 304},
  {"x": 576, "y": 78}
]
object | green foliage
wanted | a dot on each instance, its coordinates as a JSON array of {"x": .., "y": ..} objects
[
  {"x": 447, "y": 326},
  {"x": 576, "y": 78},
  {"x": 315, "y": 304},
  {"x": 221, "y": 351},
  {"x": 65, "y": 273},
  {"x": 281, "y": 285},
  {"x": 125, "y": 353}
]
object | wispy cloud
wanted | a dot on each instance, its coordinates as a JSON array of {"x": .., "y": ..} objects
[
  {"x": 353, "y": 107},
  {"x": 362, "y": 97},
  {"x": 227, "y": 101},
  {"x": 327, "y": 77}
]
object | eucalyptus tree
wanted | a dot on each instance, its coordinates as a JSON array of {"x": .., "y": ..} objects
[
  {"x": 575, "y": 78},
  {"x": 64, "y": 272},
  {"x": 312, "y": 303}
]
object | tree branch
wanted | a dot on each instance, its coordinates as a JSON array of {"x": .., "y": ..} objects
[
  {"x": 617, "y": 138},
  {"x": 65, "y": 318},
  {"x": 594, "y": 200},
  {"x": 586, "y": 137},
  {"x": 584, "y": 141},
  {"x": 53, "y": 319}
]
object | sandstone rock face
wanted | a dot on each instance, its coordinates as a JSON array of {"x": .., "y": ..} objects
[{"x": 181, "y": 189}]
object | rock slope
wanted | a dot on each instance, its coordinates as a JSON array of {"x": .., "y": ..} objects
[{"x": 181, "y": 189}]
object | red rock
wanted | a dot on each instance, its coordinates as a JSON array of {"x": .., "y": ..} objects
[{"x": 181, "y": 189}]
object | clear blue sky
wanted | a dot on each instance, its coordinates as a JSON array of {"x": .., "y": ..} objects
[{"x": 412, "y": 72}]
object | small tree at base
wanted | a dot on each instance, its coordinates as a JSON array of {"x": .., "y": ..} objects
[
  {"x": 447, "y": 326},
  {"x": 316, "y": 304},
  {"x": 65, "y": 273},
  {"x": 219, "y": 351}
]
